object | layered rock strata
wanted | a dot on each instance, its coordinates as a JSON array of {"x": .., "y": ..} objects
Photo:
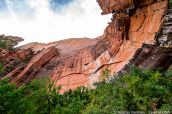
[
  {"x": 12, "y": 59},
  {"x": 164, "y": 37},
  {"x": 35, "y": 65}
]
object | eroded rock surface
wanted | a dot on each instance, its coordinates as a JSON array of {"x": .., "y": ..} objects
[
  {"x": 111, "y": 6},
  {"x": 12, "y": 59},
  {"x": 35, "y": 65},
  {"x": 129, "y": 39}
]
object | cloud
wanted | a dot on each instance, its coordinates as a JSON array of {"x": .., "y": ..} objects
[{"x": 37, "y": 21}]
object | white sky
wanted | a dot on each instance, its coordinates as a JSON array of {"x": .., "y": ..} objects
[{"x": 81, "y": 18}]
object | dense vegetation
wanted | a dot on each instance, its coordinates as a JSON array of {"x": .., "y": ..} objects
[
  {"x": 137, "y": 91},
  {"x": 6, "y": 44}
]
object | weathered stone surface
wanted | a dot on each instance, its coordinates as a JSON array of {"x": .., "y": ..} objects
[
  {"x": 108, "y": 6},
  {"x": 114, "y": 49},
  {"x": 35, "y": 65},
  {"x": 15, "y": 72},
  {"x": 11, "y": 59},
  {"x": 112, "y": 6},
  {"x": 165, "y": 35}
]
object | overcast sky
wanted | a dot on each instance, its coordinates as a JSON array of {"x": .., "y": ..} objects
[{"x": 51, "y": 20}]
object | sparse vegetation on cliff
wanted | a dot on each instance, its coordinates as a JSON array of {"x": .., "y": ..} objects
[
  {"x": 5, "y": 45},
  {"x": 137, "y": 91},
  {"x": 8, "y": 42},
  {"x": 104, "y": 74},
  {"x": 1, "y": 68},
  {"x": 170, "y": 3}
]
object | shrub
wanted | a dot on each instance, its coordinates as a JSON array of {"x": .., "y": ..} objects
[
  {"x": 104, "y": 74},
  {"x": 137, "y": 91},
  {"x": 6, "y": 44}
]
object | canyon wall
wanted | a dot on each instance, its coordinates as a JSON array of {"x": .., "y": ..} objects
[{"x": 132, "y": 38}]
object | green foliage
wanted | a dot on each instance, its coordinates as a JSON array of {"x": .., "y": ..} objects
[
  {"x": 137, "y": 91},
  {"x": 39, "y": 97},
  {"x": 170, "y": 3},
  {"x": 104, "y": 74},
  {"x": 6, "y": 44},
  {"x": 1, "y": 68}
]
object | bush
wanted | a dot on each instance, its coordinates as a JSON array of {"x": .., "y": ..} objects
[
  {"x": 104, "y": 74},
  {"x": 39, "y": 97},
  {"x": 136, "y": 91},
  {"x": 6, "y": 44}
]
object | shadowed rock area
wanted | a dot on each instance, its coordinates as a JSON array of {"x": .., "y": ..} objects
[{"x": 132, "y": 38}]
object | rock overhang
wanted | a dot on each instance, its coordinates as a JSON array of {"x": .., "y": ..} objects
[{"x": 111, "y": 6}]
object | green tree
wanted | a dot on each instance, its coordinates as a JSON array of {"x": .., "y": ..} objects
[
  {"x": 137, "y": 91},
  {"x": 6, "y": 44}
]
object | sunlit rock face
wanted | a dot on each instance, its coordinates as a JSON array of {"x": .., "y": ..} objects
[
  {"x": 109, "y": 6},
  {"x": 79, "y": 62}
]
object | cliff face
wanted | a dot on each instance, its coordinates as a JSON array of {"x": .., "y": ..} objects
[
  {"x": 129, "y": 39},
  {"x": 109, "y": 6}
]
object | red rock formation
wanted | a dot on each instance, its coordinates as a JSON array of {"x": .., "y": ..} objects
[
  {"x": 113, "y": 50},
  {"x": 116, "y": 51},
  {"x": 12, "y": 59},
  {"x": 35, "y": 65},
  {"x": 110, "y": 6},
  {"x": 79, "y": 62}
]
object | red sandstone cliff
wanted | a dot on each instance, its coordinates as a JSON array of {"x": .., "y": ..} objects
[{"x": 129, "y": 39}]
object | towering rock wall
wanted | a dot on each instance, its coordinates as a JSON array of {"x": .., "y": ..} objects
[
  {"x": 117, "y": 46},
  {"x": 129, "y": 39}
]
